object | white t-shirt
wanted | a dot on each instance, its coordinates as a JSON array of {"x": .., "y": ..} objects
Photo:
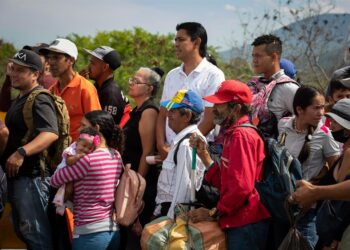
[
  {"x": 174, "y": 182},
  {"x": 204, "y": 80},
  {"x": 281, "y": 98},
  {"x": 322, "y": 145}
]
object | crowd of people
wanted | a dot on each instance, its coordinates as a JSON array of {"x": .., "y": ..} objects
[{"x": 198, "y": 110}]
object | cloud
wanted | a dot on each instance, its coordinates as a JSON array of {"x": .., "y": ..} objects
[{"x": 230, "y": 7}]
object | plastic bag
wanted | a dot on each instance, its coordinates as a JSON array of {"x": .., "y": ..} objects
[{"x": 294, "y": 241}]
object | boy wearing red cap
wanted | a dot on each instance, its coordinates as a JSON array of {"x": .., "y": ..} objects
[{"x": 239, "y": 210}]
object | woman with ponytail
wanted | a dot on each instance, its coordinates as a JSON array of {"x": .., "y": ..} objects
[
  {"x": 312, "y": 143},
  {"x": 95, "y": 178}
]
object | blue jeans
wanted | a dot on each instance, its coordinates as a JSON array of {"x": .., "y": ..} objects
[
  {"x": 307, "y": 227},
  {"x": 29, "y": 200},
  {"x": 97, "y": 241},
  {"x": 248, "y": 237}
]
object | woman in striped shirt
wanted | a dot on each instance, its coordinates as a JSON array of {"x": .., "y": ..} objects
[{"x": 95, "y": 178}]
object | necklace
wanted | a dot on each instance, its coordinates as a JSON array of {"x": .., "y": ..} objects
[{"x": 298, "y": 131}]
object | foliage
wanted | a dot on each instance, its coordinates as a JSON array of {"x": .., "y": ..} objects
[
  {"x": 7, "y": 50},
  {"x": 238, "y": 68},
  {"x": 136, "y": 47}
]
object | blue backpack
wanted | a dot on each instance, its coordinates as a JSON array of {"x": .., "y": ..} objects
[{"x": 281, "y": 171}]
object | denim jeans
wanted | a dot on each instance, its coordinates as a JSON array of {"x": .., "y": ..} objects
[
  {"x": 248, "y": 237},
  {"x": 97, "y": 241},
  {"x": 307, "y": 227},
  {"x": 29, "y": 200}
]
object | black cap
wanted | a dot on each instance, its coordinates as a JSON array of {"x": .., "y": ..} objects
[
  {"x": 28, "y": 58},
  {"x": 36, "y": 48},
  {"x": 106, "y": 54}
]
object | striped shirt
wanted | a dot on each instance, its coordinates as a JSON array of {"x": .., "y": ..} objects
[{"x": 95, "y": 179}]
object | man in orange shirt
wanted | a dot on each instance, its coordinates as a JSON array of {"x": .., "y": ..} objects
[{"x": 78, "y": 93}]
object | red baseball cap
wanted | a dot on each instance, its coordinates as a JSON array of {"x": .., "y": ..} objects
[{"x": 231, "y": 91}]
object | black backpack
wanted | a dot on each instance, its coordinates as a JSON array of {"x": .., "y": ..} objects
[
  {"x": 281, "y": 171},
  {"x": 3, "y": 190}
]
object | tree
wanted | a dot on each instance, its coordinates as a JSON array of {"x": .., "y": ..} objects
[
  {"x": 136, "y": 47},
  {"x": 309, "y": 34},
  {"x": 7, "y": 50}
]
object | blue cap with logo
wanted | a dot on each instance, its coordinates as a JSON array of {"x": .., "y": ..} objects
[{"x": 184, "y": 99}]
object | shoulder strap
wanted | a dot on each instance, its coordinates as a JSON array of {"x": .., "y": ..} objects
[
  {"x": 248, "y": 125},
  {"x": 282, "y": 80},
  {"x": 178, "y": 145},
  {"x": 28, "y": 112},
  {"x": 286, "y": 79},
  {"x": 281, "y": 141}
]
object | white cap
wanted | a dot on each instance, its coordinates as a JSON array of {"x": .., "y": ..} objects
[{"x": 62, "y": 45}]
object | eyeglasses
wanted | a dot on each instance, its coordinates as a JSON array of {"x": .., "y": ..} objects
[{"x": 133, "y": 81}]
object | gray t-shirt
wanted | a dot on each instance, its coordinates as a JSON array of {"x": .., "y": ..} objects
[{"x": 322, "y": 145}]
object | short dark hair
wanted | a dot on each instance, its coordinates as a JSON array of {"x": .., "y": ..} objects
[
  {"x": 89, "y": 131},
  {"x": 195, "y": 30},
  {"x": 195, "y": 116},
  {"x": 334, "y": 85},
  {"x": 273, "y": 43}
]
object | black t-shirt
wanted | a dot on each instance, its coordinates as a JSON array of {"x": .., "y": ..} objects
[
  {"x": 44, "y": 120},
  {"x": 133, "y": 145},
  {"x": 112, "y": 99}
]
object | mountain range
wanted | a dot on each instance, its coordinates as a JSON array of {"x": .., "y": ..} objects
[{"x": 320, "y": 43}]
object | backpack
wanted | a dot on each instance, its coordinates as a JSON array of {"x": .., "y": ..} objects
[
  {"x": 3, "y": 190},
  {"x": 208, "y": 195},
  {"x": 261, "y": 116},
  {"x": 281, "y": 171},
  {"x": 53, "y": 154},
  {"x": 128, "y": 201}
]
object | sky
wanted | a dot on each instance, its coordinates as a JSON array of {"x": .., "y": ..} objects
[{"x": 25, "y": 22}]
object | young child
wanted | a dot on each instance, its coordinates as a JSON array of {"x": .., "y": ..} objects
[{"x": 87, "y": 142}]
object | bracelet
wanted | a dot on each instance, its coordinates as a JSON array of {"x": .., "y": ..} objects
[
  {"x": 214, "y": 213},
  {"x": 210, "y": 164}
]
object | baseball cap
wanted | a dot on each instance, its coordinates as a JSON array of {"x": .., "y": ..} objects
[
  {"x": 62, "y": 45},
  {"x": 341, "y": 113},
  {"x": 106, "y": 54},
  {"x": 343, "y": 75},
  {"x": 231, "y": 91},
  {"x": 288, "y": 67},
  {"x": 36, "y": 47},
  {"x": 184, "y": 99},
  {"x": 28, "y": 58}
]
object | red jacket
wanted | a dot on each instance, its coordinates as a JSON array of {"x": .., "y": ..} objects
[{"x": 241, "y": 166}]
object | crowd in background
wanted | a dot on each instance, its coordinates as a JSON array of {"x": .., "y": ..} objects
[{"x": 198, "y": 109}]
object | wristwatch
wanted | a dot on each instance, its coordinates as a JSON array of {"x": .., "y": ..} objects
[{"x": 21, "y": 151}]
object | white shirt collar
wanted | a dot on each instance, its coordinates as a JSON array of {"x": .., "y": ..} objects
[
  {"x": 200, "y": 67},
  {"x": 185, "y": 131}
]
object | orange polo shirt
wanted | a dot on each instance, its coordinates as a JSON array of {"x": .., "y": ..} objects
[{"x": 80, "y": 97}]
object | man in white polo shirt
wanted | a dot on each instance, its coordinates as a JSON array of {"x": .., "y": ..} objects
[{"x": 195, "y": 73}]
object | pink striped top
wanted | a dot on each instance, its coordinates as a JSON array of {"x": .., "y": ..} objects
[{"x": 95, "y": 178}]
